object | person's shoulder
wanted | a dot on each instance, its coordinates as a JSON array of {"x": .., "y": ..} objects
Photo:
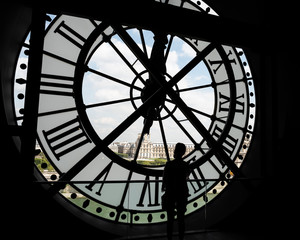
[
  {"x": 185, "y": 164},
  {"x": 168, "y": 164}
]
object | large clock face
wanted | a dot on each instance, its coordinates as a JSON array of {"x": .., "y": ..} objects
[{"x": 115, "y": 99}]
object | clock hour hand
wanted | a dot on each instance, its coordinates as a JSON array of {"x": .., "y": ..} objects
[{"x": 146, "y": 129}]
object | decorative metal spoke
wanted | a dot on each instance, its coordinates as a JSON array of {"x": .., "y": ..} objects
[
  {"x": 111, "y": 102},
  {"x": 195, "y": 88},
  {"x": 113, "y": 78},
  {"x": 201, "y": 113},
  {"x": 180, "y": 126},
  {"x": 194, "y": 110}
]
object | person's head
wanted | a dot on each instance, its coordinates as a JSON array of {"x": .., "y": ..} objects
[{"x": 179, "y": 150}]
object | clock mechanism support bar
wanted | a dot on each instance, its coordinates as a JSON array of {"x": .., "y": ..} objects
[
  {"x": 228, "y": 180},
  {"x": 28, "y": 138}
]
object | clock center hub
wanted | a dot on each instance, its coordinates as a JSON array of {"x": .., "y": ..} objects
[
  {"x": 159, "y": 104},
  {"x": 149, "y": 89}
]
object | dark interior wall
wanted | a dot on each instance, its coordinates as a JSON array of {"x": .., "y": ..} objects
[{"x": 269, "y": 207}]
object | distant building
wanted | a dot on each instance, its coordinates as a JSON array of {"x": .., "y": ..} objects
[{"x": 148, "y": 149}]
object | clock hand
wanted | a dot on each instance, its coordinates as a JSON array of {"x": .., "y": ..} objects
[
  {"x": 158, "y": 62},
  {"x": 157, "y": 58},
  {"x": 146, "y": 129}
]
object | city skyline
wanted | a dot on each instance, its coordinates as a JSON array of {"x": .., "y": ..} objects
[{"x": 148, "y": 148}]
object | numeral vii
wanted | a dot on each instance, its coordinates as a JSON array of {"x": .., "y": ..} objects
[{"x": 66, "y": 137}]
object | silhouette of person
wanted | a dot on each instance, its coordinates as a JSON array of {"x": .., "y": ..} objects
[{"x": 174, "y": 184}]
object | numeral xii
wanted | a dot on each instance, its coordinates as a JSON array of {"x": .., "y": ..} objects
[{"x": 70, "y": 34}]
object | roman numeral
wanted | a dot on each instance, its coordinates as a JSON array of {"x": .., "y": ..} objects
[
  {"x": 56, "y": 85},
  {"x": 70, "y": 34},
  {"x": 151, "y": 191},
  {"x": 66, "y": 137},
  {"x": 219, "y": 63},
  {"x": 229, "y": 143},
  {"x": 125, "y": 191},
  {"x": 225, "y": 100},
  {"x": 103, "y": 176},
  {"x": 197, "y": 185}
]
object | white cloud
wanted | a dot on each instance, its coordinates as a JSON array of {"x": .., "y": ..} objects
[
  {"x": 187, "y": 50},
  {"x": 172, "y": 63}
]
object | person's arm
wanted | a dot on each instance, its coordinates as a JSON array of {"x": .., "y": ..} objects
[
  {"x": 188, "y": 171},
  {"x": 163, "y": 187}
]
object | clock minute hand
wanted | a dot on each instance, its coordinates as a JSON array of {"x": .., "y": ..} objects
[
  {"x": 157, "y": 58},
  {"x": 158, "y": 62}
]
